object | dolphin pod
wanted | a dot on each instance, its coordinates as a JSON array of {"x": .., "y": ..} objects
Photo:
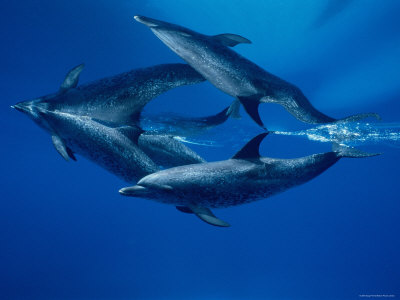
[
  {"x": 102, "y": 122},
  {"x": 235, "y": 75}
]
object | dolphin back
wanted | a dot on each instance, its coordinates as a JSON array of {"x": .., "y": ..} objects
[{"x": 121, "y": 98}]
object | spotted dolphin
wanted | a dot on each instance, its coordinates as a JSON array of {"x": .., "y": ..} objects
[
  {"x": 121, "y": 98},
  {"x": 235, "y": 75},
  {"x": 111, "y": 106},
  {"x": 244, "y": 178},
  {"x": 114, "y": 149},
  {"x": 126, "y": 151}
]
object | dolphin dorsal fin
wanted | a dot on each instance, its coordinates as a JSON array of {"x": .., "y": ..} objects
[
  {"x": 71, "y": 79},
  {"x": 131, "y": 132},
  {"x": 230, "y": 39},
  {"x": 252, "y": 148}
]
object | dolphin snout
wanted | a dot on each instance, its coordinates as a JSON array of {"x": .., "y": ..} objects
[
  {"x": 133, "y": 191},
  {"x": 147, "y": 21},
  {"x": 20, "y": 107}
]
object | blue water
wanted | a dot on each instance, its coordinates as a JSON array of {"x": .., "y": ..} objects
[{"x": 66, "y": 233}]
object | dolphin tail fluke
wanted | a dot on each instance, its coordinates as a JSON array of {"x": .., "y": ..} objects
[
  {"x": 204, "y": 214},
  {"x": 342, "y": 150},
  {"x": 230, "y": 111},
  {"x": 251, "y": 104},
  {"x": 359, "y": 117}
]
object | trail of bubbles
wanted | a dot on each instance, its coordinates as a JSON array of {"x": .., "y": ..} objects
[
  {"x": 207, "y": 143},
  {"x": 191, "y": 131},
  {"x": 351, "y": 133}
]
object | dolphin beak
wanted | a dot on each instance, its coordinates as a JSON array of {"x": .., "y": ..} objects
[
  {"x": 19, "y": 107},
  {"x": 147, "y": 21},
  {"x": 133, "y": 191}
]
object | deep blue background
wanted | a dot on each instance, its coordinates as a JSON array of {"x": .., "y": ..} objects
[{"x": 65, "y": 233}]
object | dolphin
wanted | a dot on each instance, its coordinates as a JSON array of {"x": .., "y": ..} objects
[
  {"x": 244, "y": 178},
  {"x": 121, "y": 98},
  {"x": 123, "y": 151},
  {"x": 114, "y": 149},
  {"x": 115, "y": 103},
  {"x": 235, "y": 75}
]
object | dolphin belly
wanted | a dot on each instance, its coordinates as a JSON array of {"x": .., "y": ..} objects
[
  {"x": 111, "y": 148},
  {"x": 131, "y": 164}
]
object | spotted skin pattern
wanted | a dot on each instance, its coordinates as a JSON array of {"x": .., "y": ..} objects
[
  {"x": 233, "y": 182},
  {"x": 234, "y": 74}
]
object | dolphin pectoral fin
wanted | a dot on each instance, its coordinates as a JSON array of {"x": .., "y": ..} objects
[
  {"x": 230, "y": 39},
  {"x": 207, "y": 216},
  {"x": 184, "y": 209},
  {"x": 71, "y": 154},
  {"x": 251, "y": 104},
  {"x": 71, "y": 79},
  {"x": 252, "y": 148},
  {"x": 61, "y": 148}
]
